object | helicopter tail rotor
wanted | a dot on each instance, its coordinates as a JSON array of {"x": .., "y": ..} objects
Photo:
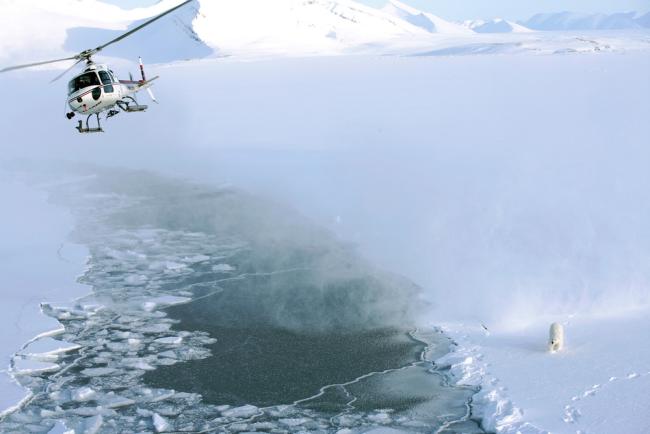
[
  {"x": 142, "y": 69},
  {"x": 151, "y": 95}
]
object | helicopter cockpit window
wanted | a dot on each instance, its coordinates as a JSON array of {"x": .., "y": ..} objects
[
  {"x": 84, "y": 80},
  {"x": 106, "y": 81}
]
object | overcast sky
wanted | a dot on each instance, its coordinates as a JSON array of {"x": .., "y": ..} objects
[{"x": 510, "y": 9}]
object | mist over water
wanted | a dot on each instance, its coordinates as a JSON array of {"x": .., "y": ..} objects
[
  {"x": 505, "y": 238},
  {"x": 502, "y": 239},
  {"x": 203, "y": 298},
  {"x": 507, "y": 187}
]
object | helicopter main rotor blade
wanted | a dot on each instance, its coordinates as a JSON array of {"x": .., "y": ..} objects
[
  {"x": 130, "y": 32},
  {"x": 29, "y": 65},
  {"x": 66, "y": 71}
]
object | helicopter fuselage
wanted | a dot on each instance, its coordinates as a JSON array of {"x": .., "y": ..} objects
[{"x": 95, "y": 90}]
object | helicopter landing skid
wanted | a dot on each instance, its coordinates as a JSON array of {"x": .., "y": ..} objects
[
  {"x": 131, "y": 107},
  {"x": 82, "y": 130},
  {"x": 137, "y": 108}
]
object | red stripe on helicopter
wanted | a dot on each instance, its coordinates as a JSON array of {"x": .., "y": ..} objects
[{"x": 87, "y": 92}]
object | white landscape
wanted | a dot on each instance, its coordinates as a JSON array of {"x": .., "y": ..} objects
[
  {"x": 39, "y": 264},
  {"x": 501, "y": 166}
]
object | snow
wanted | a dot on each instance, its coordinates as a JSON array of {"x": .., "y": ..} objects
[
  {"x": 296, "y": 26},
  {"x": 525, "y": 177},
  {"x": 496, "y": 25},
  {"x": 497, "y": 226},
  {"x": 28, "y": 366},
  {"x": 596, "y": 384},
  {"x": 583, "y": 21},
  {"x": 37, "y": 263},
  {"x": 425, "y": 20},
  {"x": 171, "y": 39},
  {"x": 37, "y": 30}
]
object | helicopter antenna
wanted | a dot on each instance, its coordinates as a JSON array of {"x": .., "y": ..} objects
[{"x": 86, "y": 54}]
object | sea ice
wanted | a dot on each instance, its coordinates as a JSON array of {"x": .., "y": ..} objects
[
  {"x": 241, "y": 412},
  {"x": 222, "y": 268},
  {"x": 169, "y": 340},
  {"x": 160, "y": 423},
  {"x": 84, "y": 394},
  {"x": 98, "y": 372}
]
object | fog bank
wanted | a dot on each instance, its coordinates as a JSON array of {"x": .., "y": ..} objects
[{"x": 508, "y": 187}]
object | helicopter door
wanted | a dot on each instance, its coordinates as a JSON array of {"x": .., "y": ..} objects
[{"x": 106, "y": 81}]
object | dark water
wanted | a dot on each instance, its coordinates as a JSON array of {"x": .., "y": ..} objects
[
  {"x": 292, "y": 337},
  {"x": 266, "y": 367},
  {"x": 279, "y": 312},
  {"x": 258, "y": 361}
]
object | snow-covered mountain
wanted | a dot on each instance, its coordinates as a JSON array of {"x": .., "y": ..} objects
[
  {"x": 644, "y": 20},
  {"x": 427, "y": 21},
  {"x": 496, "y": 25},
  {"x": 32, "y": 30},
  {"x": 35, "y": 30},
  {"x": 579, "y": 21},
  {"x": 172, "y": 38},
  {"x": 296, "y": 26}
]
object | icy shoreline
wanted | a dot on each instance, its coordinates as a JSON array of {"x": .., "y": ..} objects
[
  {"x": 39, "y": 263},
  {"x": 145, "y": 257},
  {"x": 596, "y": 385}
]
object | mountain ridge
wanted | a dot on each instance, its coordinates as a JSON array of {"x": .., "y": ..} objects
[
  {"x": 567, "y": 20},
  {"x": 427, "y": 21}
]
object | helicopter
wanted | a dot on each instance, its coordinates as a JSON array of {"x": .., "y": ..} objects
[{"x": 96, "y": 89}]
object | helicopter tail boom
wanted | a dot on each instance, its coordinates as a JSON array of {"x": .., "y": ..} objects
[{"x": 137, "y": 85}]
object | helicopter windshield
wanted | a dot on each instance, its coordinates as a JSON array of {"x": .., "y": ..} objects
[{"x": 84, "y": 80}]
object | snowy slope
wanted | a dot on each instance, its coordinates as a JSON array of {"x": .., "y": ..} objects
[
  {"x": 38, "y": 263},
  {"x": 579, "y": 21},
  {"x": 644, "y": 20},
  {"x": 172, "y": 38},
  {"x": 496, "y": 25},
  {"x": 296, "y": 26},
  {"x": 427, "y": 21},
  {"x": 34, "y": 30}
]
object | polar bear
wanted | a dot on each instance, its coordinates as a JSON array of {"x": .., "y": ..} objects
[{"x": 556, "y": 337}]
